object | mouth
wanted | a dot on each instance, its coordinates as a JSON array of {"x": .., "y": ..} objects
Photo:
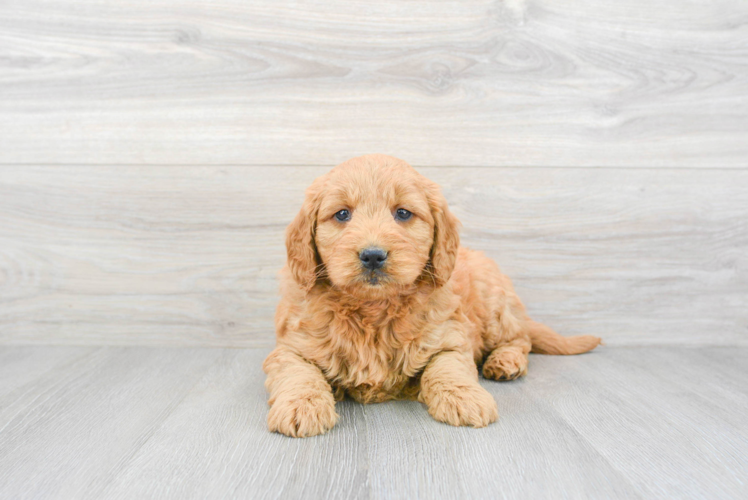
[{"x": 374, "y": 278}]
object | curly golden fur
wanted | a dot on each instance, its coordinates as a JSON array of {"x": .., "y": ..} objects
[{"x": 417, "y": 326}]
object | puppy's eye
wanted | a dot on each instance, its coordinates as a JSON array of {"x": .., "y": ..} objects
[
  {"x": 343, "y": 215},
  {"x": 402, "y": 214}
]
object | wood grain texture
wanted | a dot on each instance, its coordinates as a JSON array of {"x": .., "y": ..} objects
[
  {"x": 474, "y": 83},
  {"x": 530, "y": 453},
  {"x": 616, "y": 423},
  {"x": 216, "y": 444},
  {"x": 189, "y": 255},
  {"x": 656, "y": 415},
  {"x": 36, "y": 362},
  {"x": 66, "y": 433}
]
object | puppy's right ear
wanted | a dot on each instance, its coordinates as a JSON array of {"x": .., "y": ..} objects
[{"x": 303, "y": 260}]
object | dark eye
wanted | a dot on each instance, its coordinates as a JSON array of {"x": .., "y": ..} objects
[
  {"x": 402, "y": 214},
  {"x": 343, "y": 215}
]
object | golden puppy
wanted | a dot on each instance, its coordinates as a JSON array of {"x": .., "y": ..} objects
[{"x": 379, "y": 301}]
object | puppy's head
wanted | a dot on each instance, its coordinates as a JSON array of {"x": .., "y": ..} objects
[{"x": 373, "y": 226}]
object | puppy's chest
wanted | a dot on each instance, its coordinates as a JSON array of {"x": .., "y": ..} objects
[{"x": 375, "y": 361}]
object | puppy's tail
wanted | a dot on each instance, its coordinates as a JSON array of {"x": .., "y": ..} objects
[{"x": 546, "y": 341}]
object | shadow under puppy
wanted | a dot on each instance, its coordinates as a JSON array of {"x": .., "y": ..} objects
[{"x": 379, "y": 302}]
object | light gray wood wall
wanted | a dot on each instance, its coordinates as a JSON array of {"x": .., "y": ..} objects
[{"x": 152, "y": 152}]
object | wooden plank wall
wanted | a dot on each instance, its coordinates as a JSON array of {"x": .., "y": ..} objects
[{"x": 152, "y": 152}]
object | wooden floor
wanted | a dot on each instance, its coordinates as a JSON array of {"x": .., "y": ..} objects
[{"x": 142, "y": 422}]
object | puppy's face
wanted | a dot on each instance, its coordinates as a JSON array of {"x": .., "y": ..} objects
[{"x": 375, "y": 226}]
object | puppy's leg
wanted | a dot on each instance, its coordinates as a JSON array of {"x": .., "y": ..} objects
[
  {"x": 508, "y": 360},
  {"x": 450, "y": 389},
  {"x": 301, "y": 400}
]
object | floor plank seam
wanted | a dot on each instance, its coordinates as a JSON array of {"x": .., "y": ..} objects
[
  {"x": 166, "y": 414},
  {"x": 585, "y": 439},
  {"x": 368, "y": 485},
  {"x": 32, "y": 383}
]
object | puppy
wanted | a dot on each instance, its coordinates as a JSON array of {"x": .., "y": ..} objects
[{"x": 379, "y": 301}]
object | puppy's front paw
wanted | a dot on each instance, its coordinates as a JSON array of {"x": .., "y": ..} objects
[
  {"x": 306, "y": 416},
  {"x": 471, "y": 405}
]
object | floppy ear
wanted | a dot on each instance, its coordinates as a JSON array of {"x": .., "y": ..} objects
[
  {"x": 446, "y": 237},
  {"x": 300, "y": 248}
]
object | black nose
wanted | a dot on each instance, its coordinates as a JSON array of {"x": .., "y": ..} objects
[{"x": 372, "y": 257}]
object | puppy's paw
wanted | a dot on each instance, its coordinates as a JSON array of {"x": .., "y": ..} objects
[
  {"x": 468, "y": 405},
  {"x": 505, "y": 364},
  {"x": 306, "y": 416}
]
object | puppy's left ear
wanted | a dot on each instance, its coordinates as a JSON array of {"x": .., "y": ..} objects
[{"x": 446, "y": 236}]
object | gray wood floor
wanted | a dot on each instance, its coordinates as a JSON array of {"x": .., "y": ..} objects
[{"x": 140, "y": 422}]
